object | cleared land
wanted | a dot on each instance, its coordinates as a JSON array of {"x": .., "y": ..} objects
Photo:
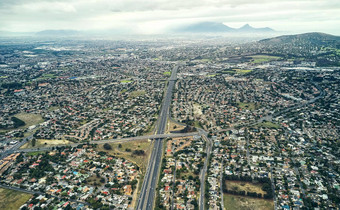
[
  {"x": 44, "y": 143},
  {"x": 263, "y": 58},
  {"x": 232, "y": 202},
  {"x": 10, "y": 199},
  {"x": 244, "y": 186},
  {"x": 171, "y": 126}
]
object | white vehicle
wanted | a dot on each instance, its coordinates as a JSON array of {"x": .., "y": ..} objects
[{"x": 13, "y": 142}]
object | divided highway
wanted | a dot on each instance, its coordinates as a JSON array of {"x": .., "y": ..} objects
[{"x": 146, "y": 199}]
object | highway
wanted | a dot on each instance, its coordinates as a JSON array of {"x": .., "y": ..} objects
[
  {"x": 146, "y": 199},
  {"x": 204, "y": 170}
]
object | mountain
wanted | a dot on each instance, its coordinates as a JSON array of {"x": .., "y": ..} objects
[
  {"x": 314, "y": 38},
  {"x": 58, "y": 33},
  {"x": 215, "y": 27},
  {"x": 206, "y": 27},
  {"x": 248, "y": 29}
]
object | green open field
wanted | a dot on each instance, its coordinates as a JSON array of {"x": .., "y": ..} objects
[
  {"x": 167, "y": 73},
  {"x": 249, "y": 106},
  {"x": 267, "y": 125},
  {"x": 243, "y": 71},
  {"x": 232, "y": 202},
  {"x": 10, "y": 199},
  {"x": 137, "y": 93},
  {"x": 237, "y": 71},
  {"x": 263, "y": 58},
  {"x": 46, "y": 76},
  {"x": 30, "y": 119},
  {"x": 125, "y": 81},
  {"x": 35, "y": 153}
]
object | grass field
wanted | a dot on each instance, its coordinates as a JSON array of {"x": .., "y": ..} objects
[
  {"x": 125, "y": 81},
  {"x": 141, "y": 161},
  {"x": 267, "y": 125},
  {"x": 137, "y": 93},
  {"x": 95, "y": 181},
  {"x": 46, "y": 76},
  {"x": 232, "y": 202},
  {"x": 30, "y": 119},
  {"x": 237, "y": 71},
  {"x": 263, "y": 58},
  {"x": 35, "y": 153},
  {"x": 249, "y": 106},
  {"x": 10, "y": 199},
  {"x": 244, "y": 186},
  {"x": 171, "y": 126},
  {"x": 242, "y": 71},
  {"x": 45, "y": 143},
  {"x": 167, "y": 73}
]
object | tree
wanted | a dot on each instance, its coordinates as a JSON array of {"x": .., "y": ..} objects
[
  {"x": 107, "y": 146},
  {"x": 33, "y": 142}
]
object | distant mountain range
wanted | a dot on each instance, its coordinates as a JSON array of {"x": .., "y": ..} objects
[
  {"x": 215, "y": 27},
  {"x": 314, "y": 38},
  {"x": 58, "y": 33}
]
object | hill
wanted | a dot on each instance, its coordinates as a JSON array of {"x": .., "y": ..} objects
[
  {"x": 215, "y": 27},
  {"x": 314, "y": 38}
]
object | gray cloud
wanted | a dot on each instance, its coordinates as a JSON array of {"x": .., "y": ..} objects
[{"x": 22, "y": 15}]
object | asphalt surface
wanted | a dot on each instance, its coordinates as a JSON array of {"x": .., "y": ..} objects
[
  {"x": 146, "y": 199},
  {"x": 15, "y": 147},
  {"x": 204, "y": 171}
]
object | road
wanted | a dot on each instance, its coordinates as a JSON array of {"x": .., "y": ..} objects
[
  {"x": 15, "y": 147},
  {"x": 157, "y": 136},
  {"x": 204, "y": 171},
  {"x": 146, "y": 199}
]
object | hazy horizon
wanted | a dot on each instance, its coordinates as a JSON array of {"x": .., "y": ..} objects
[{"x": 162, "y": 16}]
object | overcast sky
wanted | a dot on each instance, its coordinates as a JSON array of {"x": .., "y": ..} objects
[{"x": 158, "y": 16}]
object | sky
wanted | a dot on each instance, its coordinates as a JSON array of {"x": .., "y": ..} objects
[{"x": 160, "y": 16}]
